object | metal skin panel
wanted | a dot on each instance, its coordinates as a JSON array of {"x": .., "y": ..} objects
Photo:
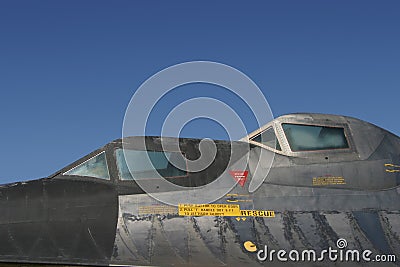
[
  {"x": 57, "y": 221},
  {"x": 318, "y": 197}
]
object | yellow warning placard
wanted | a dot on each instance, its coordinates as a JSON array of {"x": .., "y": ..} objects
[
  {"x": 157, "y": 209},
  {"x": 258, "y": 213},
  {"x": 208, "y": 210},
  {"x": 221, "y": 210},
  {"x": 328, "y": 180}
]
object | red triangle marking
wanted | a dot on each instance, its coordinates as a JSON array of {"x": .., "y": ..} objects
[{"x": 239, "y": 176}]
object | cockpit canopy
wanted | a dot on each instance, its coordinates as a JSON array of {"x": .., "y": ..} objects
[
  {"x": 159, "y": 164},
  {"x": 312, "y": 134},
  {"x": 296, "y": 140},
  {"x": 303, "y": 137}
]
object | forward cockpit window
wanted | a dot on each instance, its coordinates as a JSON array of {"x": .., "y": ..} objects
[
  {"x": 93, "y": 167},
  {"x": 267, "y": 138},
  {"x": 313, "y": 137},
  {"x": 149, "y": 164}
]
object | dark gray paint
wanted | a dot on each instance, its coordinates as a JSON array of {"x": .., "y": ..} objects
[{"x": 82, "y": 220}]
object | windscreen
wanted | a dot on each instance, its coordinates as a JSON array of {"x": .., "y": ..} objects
[
  {"x": 267, "y": 138},
  {"x": 94, "y": 167},
  {"x": 149, "y": 164},
  {"x": 314, "y": 137}
]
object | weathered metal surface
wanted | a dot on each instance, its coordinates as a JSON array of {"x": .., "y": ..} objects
[{"x": 317, "y": 197}]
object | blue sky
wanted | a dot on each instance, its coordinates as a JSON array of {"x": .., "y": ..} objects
[{"x": 69, "y": 68}]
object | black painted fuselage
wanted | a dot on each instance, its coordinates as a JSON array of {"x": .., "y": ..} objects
[{"x": 323, "y": 177}]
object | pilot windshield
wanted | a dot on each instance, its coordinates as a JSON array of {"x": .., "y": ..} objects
[{"x": 312, "y": 137}]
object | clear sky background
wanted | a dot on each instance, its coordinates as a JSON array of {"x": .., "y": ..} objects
[{"x": 69, "y": 68}]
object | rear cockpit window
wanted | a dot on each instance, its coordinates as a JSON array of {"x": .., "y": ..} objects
[
  {"x": 93, "y": 167},
  {"x": 150, "y": 164},
  {"x": 267, "y": 138},
  {"x": 312, "y": 137}
]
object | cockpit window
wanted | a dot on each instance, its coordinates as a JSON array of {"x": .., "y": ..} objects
[
  {"x": 149, "y": 164},
  {"x": 93, "y": 167},
  {"x": 312, "y": 137},
  {"x": 268, "y": 138}
]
